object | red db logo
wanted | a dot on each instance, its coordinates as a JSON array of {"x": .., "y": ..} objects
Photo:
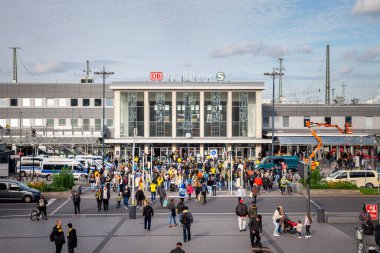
[{"x": 156, "y": 76}]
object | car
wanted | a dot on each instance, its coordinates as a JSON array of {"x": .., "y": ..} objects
[
  {"x": 362, "y": 178},
  {"x": 15, "y": 190},
  {"x": 266, "y": 163}
]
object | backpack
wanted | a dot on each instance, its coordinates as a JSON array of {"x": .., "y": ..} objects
[
  {"x": 185, "y": 219},
  {"x": 204, "y": 189},
  {"x": 52, "y": 236}
]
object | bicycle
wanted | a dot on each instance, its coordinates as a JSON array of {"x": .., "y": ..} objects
[{"x": 36, "y": 214}]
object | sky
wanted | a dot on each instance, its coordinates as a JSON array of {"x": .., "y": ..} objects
[{"x": 244, "y": 39}]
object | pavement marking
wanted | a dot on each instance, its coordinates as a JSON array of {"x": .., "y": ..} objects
[
  {"x": 50, "y": 202},
  {"x": 10, "y": 216},
  {"x": 272, "y": 242},
  {"x": 109, "y": 236},
  {"x": 14, "y": 209},
  {"x": 311, "y": 201},
  {"x": 60, "y": 206}
]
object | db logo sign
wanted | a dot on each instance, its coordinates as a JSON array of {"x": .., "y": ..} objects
[{"x": 156, "y": 76}]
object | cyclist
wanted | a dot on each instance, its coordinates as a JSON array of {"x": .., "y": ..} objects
[{"x": 42, "y": 207}]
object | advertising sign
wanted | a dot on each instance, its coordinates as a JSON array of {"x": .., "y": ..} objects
[
  {"x": 372, "y": 210},
  {"x": 156, "y": 76}
]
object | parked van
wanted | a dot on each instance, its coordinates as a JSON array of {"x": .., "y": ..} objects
[
  {"x": 53, "y": 166},
  {"x": 266, "y": 163},
  {"x": 362, "y": 178},
  {"x": 26, "y": 165},
  {"x": 14, "y": 190}
]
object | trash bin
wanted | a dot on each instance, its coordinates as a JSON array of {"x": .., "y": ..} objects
[
  {"x": 132, "y": 212},
  {"x": 321, "y": 215}
]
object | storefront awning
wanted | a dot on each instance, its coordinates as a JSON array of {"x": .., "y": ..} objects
[{"x": 328, "y": 140}]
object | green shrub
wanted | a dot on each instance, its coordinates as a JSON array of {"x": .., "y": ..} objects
[
  {"x": 369, "y": 191},
  {"x": 316, "y": 182},
  {"x": 43, "y": 187},
  {"x": 64, "y": 180}
]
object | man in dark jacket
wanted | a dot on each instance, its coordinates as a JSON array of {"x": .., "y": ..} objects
[
  {"x": 71, "y": 238},
  {"x": 180, "y": 208},
  {"x": 76, "y": 201},
  {"x": 147, "y": 213},
  {"x": 255, "y": 230},
  {"x": 186, "y": 220},
  {"x": 57, "y": 236},
  {"x": 178, "y": 249},
  {"x": 106, "y": 195},
  {"x": 140, "y": 197},
  {"x": 204, "y": 191},
  {"x": 242, "y": 213},
  {"x": 162, "y": 193}
]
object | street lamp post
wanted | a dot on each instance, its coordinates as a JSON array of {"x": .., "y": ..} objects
[
  {"x": 274, "y": 74},
  {"x": 104, "y": 74}
]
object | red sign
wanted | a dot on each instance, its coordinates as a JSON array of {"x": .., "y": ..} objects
[
  {"x": 20, "y": 153},
  {"x": 372, "y": 210},
  {"x": 156, "y": 76}
]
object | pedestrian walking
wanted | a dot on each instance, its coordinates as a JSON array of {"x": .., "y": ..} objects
[
  {"x": 240, "y": 193},
  {"x": 162, "y": 194},
  {"x": 180, "y": 208},
  {"x": 76, "y": 201},
  {"x": 72, "y": 240},
  {"x": 99, "y": 198},
  {"x": 299, "y": 228},
  {"x": 57, "y": 236},
  {"x": 148, "y": 213},
  {"x": 252, "y": 211},
  {"x": 204, "y": 191},
  {"x": 241, "y": 211},
  {"x": 42, "y": 203},
  {"x": 255, "y": 230},
  {"x": 186, "y": 220},
  {"x": 214, "y": 184},
  {"x": 172, "y": 213},
  {"x": 307, "y": 223},
  {"x": 153, "y": 188},
  {"x": 189, "y": 190},
  {"x": 106, "y": 197},
  {"x": 140, "y": 197},
  {"x": 276, "y": 221},
  {"x": 283, "y": 184},
  {"x": 118, "y": 200},
  {"x": 254, "y": 193},
  {"x": 126, "y": 196},
  {"x": 178, "y": 248}
]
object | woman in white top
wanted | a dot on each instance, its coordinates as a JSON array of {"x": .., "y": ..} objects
[
  {"x": 307, "y": 223},
  {"x": 276, "y": 221}
]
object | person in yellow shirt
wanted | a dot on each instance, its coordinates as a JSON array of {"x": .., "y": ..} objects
[
  {"x": 153, "y": 188},
  {"x": 159, "y": 180}
]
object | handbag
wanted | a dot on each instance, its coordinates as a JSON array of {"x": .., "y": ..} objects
[
  {"x": 165, "y": 203},
  {"x": 277, "y": 220},
  {"x": 251, "y": 195}
]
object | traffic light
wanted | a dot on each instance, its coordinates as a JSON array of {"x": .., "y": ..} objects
[{"x": 33, "y": 132}]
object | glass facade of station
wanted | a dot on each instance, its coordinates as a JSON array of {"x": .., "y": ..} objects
[{"x": 132, "y": 113}]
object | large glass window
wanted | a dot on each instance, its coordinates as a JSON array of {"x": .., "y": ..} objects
[
  {"x": 132, "y": 113},
  {"x": 50, "y": 122},
  {"x": 243, "y": 114},
  {"x": 14, "y": 122},
  {"x": 62, "y": 102},
  {"x": 14, "y": 102},
  {"x": 109, "y": 122},
  {"x": 98, "y": 124},
  {"x": 160, "y": 107},
  {"x": 74, "y": 102},
  {"x": 98, "y": 102},
  {"x": 3, "y": 102},
  {"x": 285, "y": 121},
  {"x": 109, "y": 102},
  {"x": 62, "y": 122},
  {"x": 38, "y": 122},
  {"x": 26, "y": 102},
  {"x": 74, "y": 122},
  {"x": 86, "y": 124},
  {"x": 50, "y": 102},
  {"x": 86, "y": 102},
  {"x": 215, "y": 113},
  {"x": 188, "y": 114},
  {"x": 26, "y": 122},
  {"x": 38, "y": 102},
  {"x": 305, "y": 119},
  {"x": 265, "y": 122}
]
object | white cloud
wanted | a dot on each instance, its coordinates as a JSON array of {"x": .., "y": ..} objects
[
  {"x": 305, "y": 49},
  {"x": 370, "y": 54},
  {"x": 345, "y": 70},
  {"x": 249, "y": 47},
  {"x": 371, "y": 7},
  {"x": 49, "y": 67}
]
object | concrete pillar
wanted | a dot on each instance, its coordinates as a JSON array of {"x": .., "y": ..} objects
[
  {"x": 258, "y": 149},
  {"x": 259, "y": 116},
  {"x": 117, "y": 151},
  {"x": 146, "y": 114},
  {"x": 117, "y": 113},
  {"x": 174, "y": 114},
  {"x": 229, "y": 114},
  {"x": 174, "y": 147},
  {"x": 202, "y": 114},
  {"x": 146, "y": 149},
  {"x": 201, "y": 150}
]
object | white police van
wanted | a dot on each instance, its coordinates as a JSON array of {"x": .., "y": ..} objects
[{"x": 52, "y": 166}]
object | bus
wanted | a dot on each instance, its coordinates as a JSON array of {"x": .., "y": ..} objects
[{"x": 51, "y": 166}]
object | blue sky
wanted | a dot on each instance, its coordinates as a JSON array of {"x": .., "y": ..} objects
[{"x": 243, "y": 38}]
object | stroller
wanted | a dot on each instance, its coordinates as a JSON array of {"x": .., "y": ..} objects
[{"x": 289, "y": 225}]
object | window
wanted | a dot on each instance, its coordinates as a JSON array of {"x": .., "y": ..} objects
[
  {"x": 38, "y": 122},
  {"x": 86, "y": 102},
  {"x": 98, "y": 102},
  {"x": 109, "y": 122},
  {"x": 370, "y": 174},
  {"x": 3, "y": 186},
  {"x": 62, "y": 122},
  {"x": 74, "y": 122},
  {"x": 26, "y": 102},
  {"x": 14, "y": 122},
  {"x": 14, "y": 102},
  {"x": 342, "y": 176},
  {"x": 348, "y": 119},
  {"x": 3, "y": 102},
  {"x": 86, "y": 124},
  {"x": 14, "y": 187},
  {"x": 74, "y": 102},
  {"x": 50, "y": 122},
  {"x": 3, "y": 123},
  {"x": 265, "y": 121},
  {"x": 98, "y": 124},
  {"x": 50, "y": 102},
  {"x": 109, "y": 101},
  {"x": 26, "y": 122},
  {"x": 357, "y": 174},
  {"x": 305, "y": 119},
  {"x": 328, "y": 120},
  {"x": 62, "y": 102},
  {"x": 38, "y": 102},
  {"x": 285, "y": 121}
]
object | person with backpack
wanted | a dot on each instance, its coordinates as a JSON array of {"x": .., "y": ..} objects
[
  {"x": 254, "y": 193},
  {"x": 241, "y": 211},
  {"x": 204, "y": 191},
  {"x": 255, "y": 230},
  {"x": 148, "y": 213},
  {"x": 57, "y": 236},
  {"x": 186, "y": 220},
  {"x": 307, "y": 223},
  {"x": 42, "y": 207},
  {"x": 72, "y": 240},
  {"x": 162, "y": 193},
  {"x": 180, "y": 208},
  {"x": 172, "y": 213}
]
